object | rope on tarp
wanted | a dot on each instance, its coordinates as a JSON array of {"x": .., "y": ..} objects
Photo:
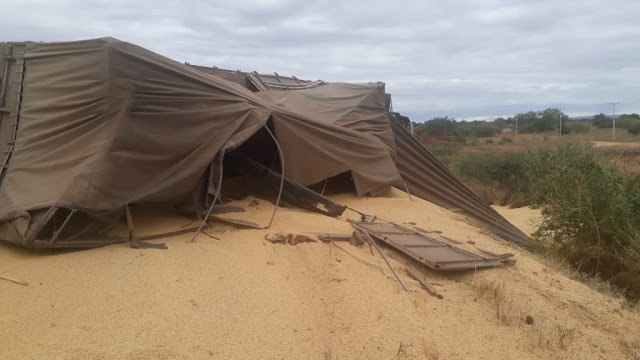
[{"x": 281, "y": 175}]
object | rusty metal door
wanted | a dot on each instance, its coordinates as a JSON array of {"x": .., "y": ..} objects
[{"x": 435, "y": 253}]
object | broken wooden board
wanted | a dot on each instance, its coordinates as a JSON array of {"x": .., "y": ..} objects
[{"x": 434, "y": 253}]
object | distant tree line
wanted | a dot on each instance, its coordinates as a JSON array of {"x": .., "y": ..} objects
[
  {"x": 631, "y": 122},
  {"x": 530, "y": 122},
  {"x": 548, "y": 120},
  {"x": 446, "y": 128}
]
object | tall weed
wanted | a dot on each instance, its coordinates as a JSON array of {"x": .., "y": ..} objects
[{"x": 591, "y": 211}]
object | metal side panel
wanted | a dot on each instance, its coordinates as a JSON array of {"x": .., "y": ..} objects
[
  {"x": 434, "y": 253},
  {"x": 11, "y": 83}
]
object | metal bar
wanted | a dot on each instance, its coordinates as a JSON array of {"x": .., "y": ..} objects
[
  {"x": 383, "y": 257},
  {"x": 64, "y": 223},
  {"x": 133, "y": 241},
  {"x": 281, "y": 176},
  {"x": 168, "y": 234},
  {"x": 325, "y": 186},
  {"x": 4, "y": 79},
  {"x": 213, "y": 203},
  {"x": 407, "y": 189},
  {"x": 293, "y": 86},
  {"x": 31, "y": 235},
  {"x": 16, "y": 117},
  {"x": 293, "y": 193}
]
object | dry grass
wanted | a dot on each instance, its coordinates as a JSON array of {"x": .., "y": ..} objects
[
  {"x": 552, "y": 261},
  {"x": 327, "y": 354},
  {"x": 430, "y": 351},
  {"x": 552, "y": 336},
  {"x": 631, "y": 348},
  {"x": 496, "y": 195},
  {"x": 507, "y": 311}
]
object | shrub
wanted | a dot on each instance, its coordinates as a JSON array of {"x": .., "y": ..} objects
[
  {"x": 590, "y": 213},
  {"x": 484, "y": 129},
  {"x": 578, "y": 127},
  {"x": 488, "y": 141},
  {"x": 590, "y": 210},
  {"x": 444, "y": 152},
  {"x": 626, "y": 122},
  {"x": 501, "y": 174},
  {"x": 634, "y": 129},
  {"x": 438, "y": 127},
  {"x": 602, "y": 121},
  {"x": 505, "y": 140}
]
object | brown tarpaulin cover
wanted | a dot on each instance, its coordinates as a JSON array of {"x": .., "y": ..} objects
[
  {"x": 429, "y": 179},
  {"x": 362, "y": 107},
  {"x": 357, "y": 107},
  {"x": 102, "y": 124}
]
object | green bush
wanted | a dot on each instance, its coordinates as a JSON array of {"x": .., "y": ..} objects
[
  {"x": 541, "y": 121},
  {"x": 634, "y": 129},
  {"x": 488, "y": 141},
  {"x": 505, "y": 140},
  {"x": 446, "y": 128},
  {"x": 626, "y": 122},
  {"x": 578, "y": 127},
  {"x": 591, "y": 212},
  {"x": 602, "y": 121},
  {"x": 484, "y": 129},
  {"x": 496, "y": 174},
  {"x": 438, "y": 127},
  {"x": 446, "y": 151}
]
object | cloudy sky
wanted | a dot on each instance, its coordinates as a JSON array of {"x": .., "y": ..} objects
[{"x": 464, "y": 59}]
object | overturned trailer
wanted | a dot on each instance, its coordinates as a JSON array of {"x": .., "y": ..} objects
[{"x": 90, "y": 128}]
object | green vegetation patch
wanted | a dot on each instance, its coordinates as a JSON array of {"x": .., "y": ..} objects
[{"x": 591, "y": 211}]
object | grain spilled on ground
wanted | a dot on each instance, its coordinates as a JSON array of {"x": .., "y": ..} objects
[{"x": 242, "y": 297}]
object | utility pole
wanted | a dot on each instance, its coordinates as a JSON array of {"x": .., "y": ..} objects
[
  {"x": 560, "y": 115},
  {"x": 614, "y": 117},
  {"x": 560, "y": 124}
]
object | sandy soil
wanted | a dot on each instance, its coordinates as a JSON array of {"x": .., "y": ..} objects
[
  {"x": 242, "y": 297},
  {"x": 525, "y": 218},
  {"x": 617, "y": 145}
]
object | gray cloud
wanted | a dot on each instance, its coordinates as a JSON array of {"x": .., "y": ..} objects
[{"x": 456, "y": 58}]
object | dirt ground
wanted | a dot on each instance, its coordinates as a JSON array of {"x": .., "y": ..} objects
[
  {"x": 242, "y": 297},
  {"x": 525, "y": 218}
]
